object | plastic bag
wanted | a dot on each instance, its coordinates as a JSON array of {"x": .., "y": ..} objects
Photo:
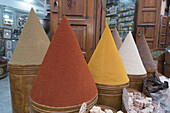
[{"x": 162, "y": 98}]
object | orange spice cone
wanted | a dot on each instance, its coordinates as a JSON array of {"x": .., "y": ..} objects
[{"x": 64, "y": 81}]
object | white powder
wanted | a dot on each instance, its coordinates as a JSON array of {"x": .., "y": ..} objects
[{"x": 130, "y": 57}]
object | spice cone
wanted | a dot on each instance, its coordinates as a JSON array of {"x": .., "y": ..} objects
[
  {"x": 145, "y": 53},
  {"x": 64, "y": 78},
  {"x": 25, "y": 62},
  {"x": 105, "y": 64},
  {"x": 130, "y": 57},
  {"x": 32, "y": 45},
  {"x": 117, "y": 39}
]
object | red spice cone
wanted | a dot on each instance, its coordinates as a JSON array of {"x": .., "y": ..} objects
[
  {"x": 145, "y": 53},
  {"x": 64, "y": 78}
]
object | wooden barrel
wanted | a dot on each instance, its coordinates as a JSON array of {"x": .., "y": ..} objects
[
  {"x": 3, "y": 70},
  {"x": 21, "y": 81},
  {"x": 110, "y": 95},
  {"x": 38, "y": 108},
  {"x": 159, "y": 61},
  {"x": 130, "y": 90},
  {"x": 167, "y": 64},
  {"x": 136, "y": 81},
  {"x": 103, "y": 107}
]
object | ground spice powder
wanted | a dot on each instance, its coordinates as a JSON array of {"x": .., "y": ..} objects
[
  {"x": 117, "y": 39},
  {"x": 130, "y": 57},
  {"x": 64, "y": 78},
  {"x": 33, "y": 43},
  {"x": 145, "y": 53},
  {"x": 105, "y": 64}
]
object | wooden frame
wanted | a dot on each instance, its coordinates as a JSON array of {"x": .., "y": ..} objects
[{"x": 7, "y": 33}]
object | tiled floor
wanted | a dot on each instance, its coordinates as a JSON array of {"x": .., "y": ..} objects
[{"x": 5, "y": 96}]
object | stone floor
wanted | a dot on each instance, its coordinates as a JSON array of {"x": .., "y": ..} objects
[{"x": 5, "y": 96}]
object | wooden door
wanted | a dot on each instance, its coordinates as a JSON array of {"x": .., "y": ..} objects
[
  {"x": 163, "y": 32},
  {"x": 81, "y": 16},
  {"x": 148, "y": 20},
  {"x": 168, "y": 33}
]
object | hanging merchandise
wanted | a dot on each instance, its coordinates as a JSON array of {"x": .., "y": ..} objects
[
  {"x": 132, "y": 62},
  {"x": 122, "y": 12},
  {"x": 108, "y": 71},
  {"x": 146, "y": 56},
  {"x": 64, "y": 81},
  {"x": 25, "y": 62}
]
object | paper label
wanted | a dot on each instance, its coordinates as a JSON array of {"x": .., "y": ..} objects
[{"x": 83, "y": 108}]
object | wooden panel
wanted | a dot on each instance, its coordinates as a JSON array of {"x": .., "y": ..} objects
[
  {"x": 163, "y": 32},
  {"x": 148, "y": 21},
  {"x": 149, "y": 17},
  {"x": 81, "y": 15},
  {"x": 76, "y": 8},
  {"x": 168, "y": 33},
  {"x": 149, "y": 3},
  {"x": 80, "y": 32},
  {"x": 53, "y": 20}
]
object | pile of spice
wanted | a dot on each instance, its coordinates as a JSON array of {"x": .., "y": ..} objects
[
  {"x": 139, "y": 104},
  {"x": 105, "y": 64},
  {"x": 145, "y": 54},
  {"x": 32, "y": 45},
  {"x": 130, "y": 57},
  {"x": 25, "y": 62},
  {"x": 117, "y": 38},
  {"x": 64, "y": 79}
]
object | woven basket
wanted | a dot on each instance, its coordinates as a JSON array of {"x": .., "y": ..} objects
[
  {"x": 110, "y": 95},
  {"x": 3, "y": 70},
  {"x": 136, "y": 81},
  {"x": 21, "y": 81},
  {"x": 38, "y": 108},
  {"x": 130, "y": 90}
]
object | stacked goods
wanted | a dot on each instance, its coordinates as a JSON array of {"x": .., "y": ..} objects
[
  {"x": 138, "y": 103},
  {"x": 108, "y": 71},
  {"x": 167, "y": 64},
  {"x": 145, "y": 55},
  {"x": 25, "y": 62},
  {"x": 3, "y": 67},
  {"x": 132, "y": 62},
  {"x": 117, "y": 39},
  {"x": 64, "y": 81}
]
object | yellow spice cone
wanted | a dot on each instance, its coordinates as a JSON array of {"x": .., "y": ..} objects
[{"x": 105, "y": 64}]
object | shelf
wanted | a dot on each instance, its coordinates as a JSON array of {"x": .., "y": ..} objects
[
  {"x": 111, "y": 15},
  {"x": 125, "y": 21},
  {"x": 126, "y": 16},
  {"x": 124, "y": 30},
  {"x": 125, "y": 11},
  {"x": 112, "y": 3},
  {"x": 126, "y": 26}
]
